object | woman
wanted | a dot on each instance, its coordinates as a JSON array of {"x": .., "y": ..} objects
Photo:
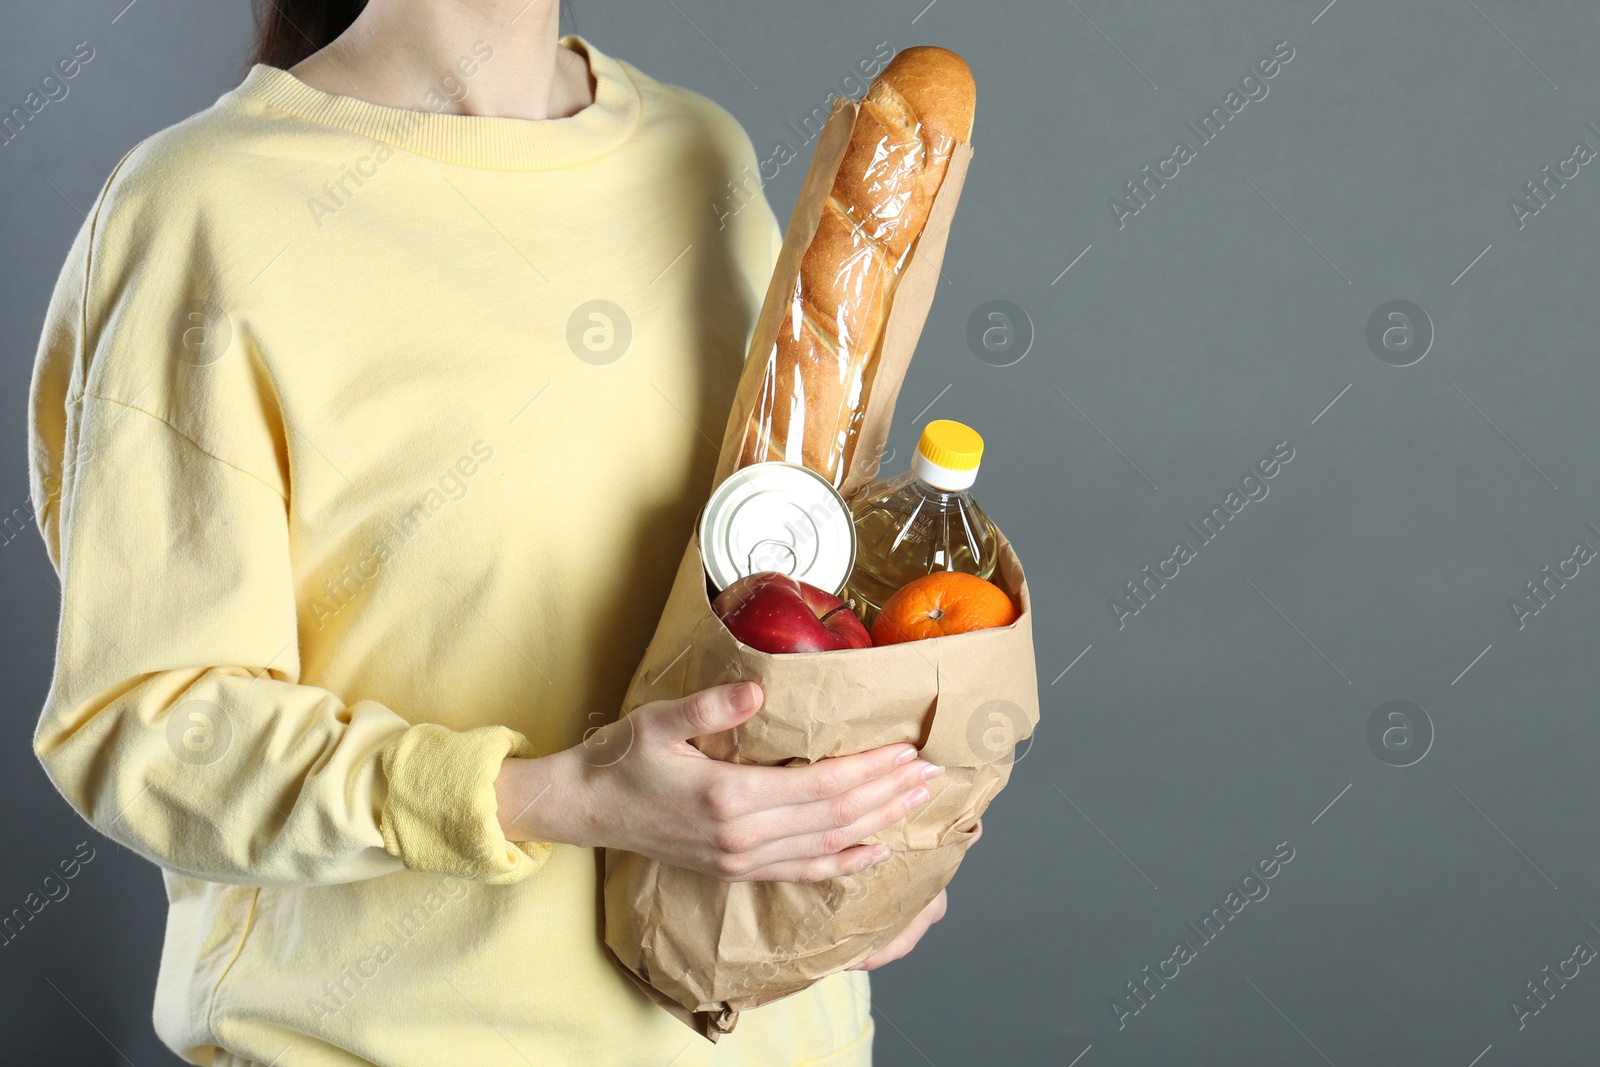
[{"x": 372, "y": 411}]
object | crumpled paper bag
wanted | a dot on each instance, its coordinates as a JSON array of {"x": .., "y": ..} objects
[{"x": 710, "y": 949}]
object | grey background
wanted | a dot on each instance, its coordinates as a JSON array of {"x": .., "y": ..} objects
[{"x": 1224, "y": 318}]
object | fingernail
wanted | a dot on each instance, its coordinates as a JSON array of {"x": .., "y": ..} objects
[
  {"x": 919, "y": 795},
  {"x": 906, "y": 756},
  {"x": 932, "y": 770},
  {"x": 879, "y": 855},
  {"x": 743, "y": 698}
]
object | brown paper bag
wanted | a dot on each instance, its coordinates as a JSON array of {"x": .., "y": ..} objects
[
  {"x": 704, "y": 949},
  {"x": 716, "y": 948}
]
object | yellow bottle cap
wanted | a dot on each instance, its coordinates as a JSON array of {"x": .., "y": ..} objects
[{"x": 952, "y": 445}]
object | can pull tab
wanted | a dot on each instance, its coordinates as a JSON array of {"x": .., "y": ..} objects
[{"x": 770, "y": 555}]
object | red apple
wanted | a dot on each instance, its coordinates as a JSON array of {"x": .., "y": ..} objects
[{"x": 773, "y": 612}]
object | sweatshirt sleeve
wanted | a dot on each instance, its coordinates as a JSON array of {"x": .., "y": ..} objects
[{"x": 176, "y": 722}]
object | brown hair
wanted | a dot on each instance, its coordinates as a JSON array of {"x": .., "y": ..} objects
[{"x": 288, "y": 31}]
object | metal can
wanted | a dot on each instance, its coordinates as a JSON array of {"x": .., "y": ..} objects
[{"x": 778, "y": 517}]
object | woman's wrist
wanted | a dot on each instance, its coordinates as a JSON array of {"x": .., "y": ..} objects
[{"x": 543, "y": 799}]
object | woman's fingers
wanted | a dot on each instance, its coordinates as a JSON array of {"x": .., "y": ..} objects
[
  {"x": 907, "y": 939},
  {"x": 709, "y": 711},
  {"x": 817, "y": 868},
  {"x": 851, "y": 808},
  {"x": 753, "y": 853},
  {"x": 828, "y": 778},
  {"x": 756, "y": 845}
]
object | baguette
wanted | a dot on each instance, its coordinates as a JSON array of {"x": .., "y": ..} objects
[{"x": 906, "y": 129}]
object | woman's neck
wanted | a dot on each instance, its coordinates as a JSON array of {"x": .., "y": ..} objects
[{"x": 432, "y": 55}]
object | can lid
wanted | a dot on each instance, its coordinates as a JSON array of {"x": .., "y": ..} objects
[{"x": 778, "y": 517}]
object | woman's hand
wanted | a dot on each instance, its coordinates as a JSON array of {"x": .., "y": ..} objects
[
  {"x": 638, "y": 784},
  {"x": 907, "y": 939}
]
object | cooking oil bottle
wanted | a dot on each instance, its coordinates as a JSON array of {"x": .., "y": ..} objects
[{"x": 922, "y": 521}]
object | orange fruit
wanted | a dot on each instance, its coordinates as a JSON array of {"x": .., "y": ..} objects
[{"x": 941, "y": 603}]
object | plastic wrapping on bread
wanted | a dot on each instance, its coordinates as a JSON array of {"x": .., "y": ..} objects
[{"x": 907, "y": 126}]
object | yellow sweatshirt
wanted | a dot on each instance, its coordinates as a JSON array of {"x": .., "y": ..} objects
[{"x": 365, "y": 442}]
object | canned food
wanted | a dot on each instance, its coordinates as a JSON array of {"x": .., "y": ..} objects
[{"x": 778, "y": 517}]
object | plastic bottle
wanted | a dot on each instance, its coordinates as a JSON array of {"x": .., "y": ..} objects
[{"x": 922, "y": 521}]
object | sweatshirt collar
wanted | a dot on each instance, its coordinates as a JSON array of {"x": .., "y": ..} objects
[{"x": 489, "y": 142}]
